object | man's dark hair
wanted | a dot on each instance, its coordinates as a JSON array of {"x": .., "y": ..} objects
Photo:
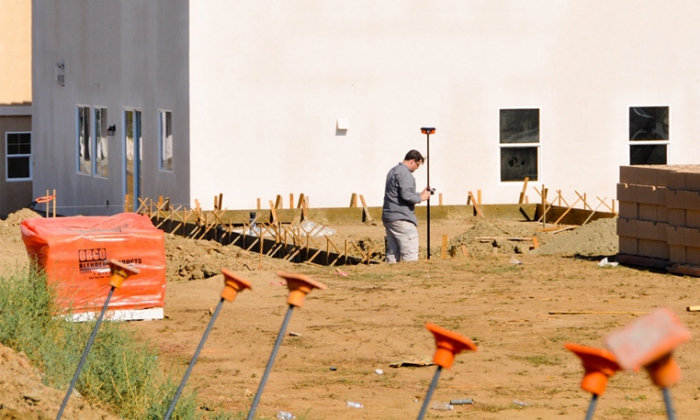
[{"x": 414, "y": 155}]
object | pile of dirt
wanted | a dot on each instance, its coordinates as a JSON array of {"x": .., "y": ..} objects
[
  {"x": 597, "y": 238},
  {"x": 24, "y": 397},
  {"x": 498, "y": 237},
  {"x": 9, "y": 228},
  {"x": 192, "y": 259}
]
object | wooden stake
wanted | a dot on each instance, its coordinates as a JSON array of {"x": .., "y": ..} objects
[
  {"x": 278, "y": 202},
  {"x": 596, "y": 313},
  {"x": 476, "y": 206},
  {"x": 478, "y": 196},
  {"x": 521, "y": 200},
  {"x": 258, "y": 206},
  {"x": 54, "y": 203},
  {"x": 365, "y": 210},
  {"x": 612, "y": 210},
  {"x": 583, "y": 198},
  {"x": 592, "y": 213},
  {"x": 291, "y": 200},
  {"x": 443, "y": 254},
  {"x": 273, "y": 213},
  {"x": 567, "y": 211},
  {"x": 353, "y": 200},
  {"x": 440, "y": 199}
]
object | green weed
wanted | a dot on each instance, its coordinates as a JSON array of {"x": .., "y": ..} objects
[{"x": 120, "y": 372}]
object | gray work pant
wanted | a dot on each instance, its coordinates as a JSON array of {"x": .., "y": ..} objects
[{"x": 402, "y": 241}]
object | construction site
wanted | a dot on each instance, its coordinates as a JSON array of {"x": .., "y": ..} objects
[{"x": 519, "y": 280}]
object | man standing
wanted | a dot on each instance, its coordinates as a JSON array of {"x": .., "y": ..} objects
[{"x": 400, "y": 199}]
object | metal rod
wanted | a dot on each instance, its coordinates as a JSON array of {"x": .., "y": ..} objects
[
  {"x": 670, "y": 413},
  {"x": 427, "y": 167},
  {"x": 429, "y": 395},
  {"x": 270, "y": 362},
  {"x": 171, "y": 409},
  {"x": 85, "y": 353},
  {"x": 591, "y": 407}
]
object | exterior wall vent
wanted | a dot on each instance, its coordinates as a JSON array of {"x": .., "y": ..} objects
[{"x": 61, "y": 73}]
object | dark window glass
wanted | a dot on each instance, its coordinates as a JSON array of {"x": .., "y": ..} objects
[
  {"x": 518, "y": 163},
  {"x": 17, "y": 167},
  {"x": 654, "y": 154},
  {"x": 19, "y": 144},
  {"x": 520, "y": 125},
  {"x": 649, "y": 123}
]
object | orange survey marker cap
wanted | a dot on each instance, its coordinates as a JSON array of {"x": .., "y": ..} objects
[
  {"x": 448, "y": 345},
  {"x": 598, "y": 366},
  {"x": 649, "y": 342},
  {"x": 299, "y": 286},
  {"x": 233, "y": 283},
  {"x": 120, "y": 272}
]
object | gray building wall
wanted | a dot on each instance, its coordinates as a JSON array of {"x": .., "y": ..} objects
[{"x": 116, "y": 55}]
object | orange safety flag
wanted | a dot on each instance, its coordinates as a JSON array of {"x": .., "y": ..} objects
[{"x": 73, "y": 252}]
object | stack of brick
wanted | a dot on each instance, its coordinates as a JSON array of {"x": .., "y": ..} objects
[{"x": 659, "y": 219}]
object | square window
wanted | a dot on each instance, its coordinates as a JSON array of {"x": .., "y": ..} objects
[
  {"x": 519, "y": 143},
  {"x": 18, "y": 147},
  {"x": 649, "y": 123},
  {"x": 653, "y": 154},
  {"x": 518, "y": 163},
  {"x": 649, "y": 135},
  {"x": 520, "y": 126}
]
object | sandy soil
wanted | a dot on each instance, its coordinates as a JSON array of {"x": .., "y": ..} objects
[{"x": 372, "y": 316}]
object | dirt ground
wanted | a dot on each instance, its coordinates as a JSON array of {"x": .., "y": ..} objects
[{"x": 501, "y": 294}]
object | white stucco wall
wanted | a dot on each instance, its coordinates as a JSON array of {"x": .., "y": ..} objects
[
  {"x": 268, "y": 79},
  {"x": 117, "y": 54}
]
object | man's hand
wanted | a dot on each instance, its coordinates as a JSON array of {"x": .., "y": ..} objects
[{"x": 425, "y": 194}]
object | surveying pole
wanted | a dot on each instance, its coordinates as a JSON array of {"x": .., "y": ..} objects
[{"x": 428, "y": 131}]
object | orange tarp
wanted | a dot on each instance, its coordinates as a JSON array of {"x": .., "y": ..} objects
[{"x": 73, "y": 252}]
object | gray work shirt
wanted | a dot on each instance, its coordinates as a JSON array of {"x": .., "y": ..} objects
[{"x": 400, "y": 196}]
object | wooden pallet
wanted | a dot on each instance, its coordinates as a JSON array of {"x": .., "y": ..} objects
[
  {"x": 684, "y": 269},
  {"x": 637, "y": 261}
]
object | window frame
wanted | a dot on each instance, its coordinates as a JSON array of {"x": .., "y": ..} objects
[
  {"x": 9, "y": 156},
  {"x": 164, "y": 140},
  {"x": 660, "y": 142},
  {"x": 516, "y": 145}
]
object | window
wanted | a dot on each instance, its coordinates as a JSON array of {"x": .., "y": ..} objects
[
  {"x": 519, "y": 142},
  {"x": 84, "y": 143},
  {"x": 101, "y": 155},
  {"x": 649, "y": 136},
  {"x": 166, "y": 140},
  {"x": 18, "y": 148}
]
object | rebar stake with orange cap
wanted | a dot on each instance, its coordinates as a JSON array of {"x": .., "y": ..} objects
[
  {"x": 649, "y": 342},
  {"x": 598, "y": 366},
  {"x": 232, "y": 285},
  {"x": 448, "y": 344},
  {"x": 119, "y": 272},
  {"x": 299, "y": 286}
]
